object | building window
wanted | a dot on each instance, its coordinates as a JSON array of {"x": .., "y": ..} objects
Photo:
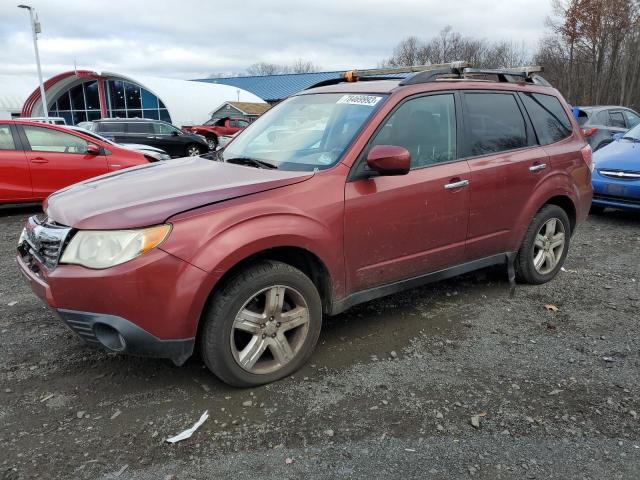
[{"x": 81, "y": 102}]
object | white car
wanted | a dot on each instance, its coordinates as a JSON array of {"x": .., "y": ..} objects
[{"x": 157, "y": 153}]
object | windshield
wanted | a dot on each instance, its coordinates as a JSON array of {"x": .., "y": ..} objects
[
  {"x": 306, "y": 132},
  {"x": 634, "y": 133}
]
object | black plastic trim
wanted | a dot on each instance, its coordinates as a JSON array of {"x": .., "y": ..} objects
[
  {"x": 137, "y": 341},
  {"x": 362, "y": 296}
]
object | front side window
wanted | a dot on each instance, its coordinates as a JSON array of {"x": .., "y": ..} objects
[
  {"x": 616, "y": 120},
  {"x": 549, "y": 119},
  {"x": 49, "y": 140},
  {"x": 495, "y": 123},
  {"x": 426, "y": 127},
  {"x": 164, "y": 129},
  {"x": 305, "y": 132},
  {"x": 6, "y": 139},
  {"x": 632, "y": 119}
]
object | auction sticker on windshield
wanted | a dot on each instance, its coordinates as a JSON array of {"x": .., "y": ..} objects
[{"x": 369, "y": 100}]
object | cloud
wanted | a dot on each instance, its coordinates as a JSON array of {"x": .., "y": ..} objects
[{"x": 192, "y": 39}]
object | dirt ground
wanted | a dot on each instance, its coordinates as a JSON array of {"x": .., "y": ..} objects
[{"x": 452, "y": 380}]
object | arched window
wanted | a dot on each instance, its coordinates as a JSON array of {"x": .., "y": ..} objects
[
  {"x": 81, "y": 102},
  {"x": 128, "y": 100},
  {"x": 77, "y": 104}
]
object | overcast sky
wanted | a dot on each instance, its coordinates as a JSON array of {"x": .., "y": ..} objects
[{"x": 192, "y": 39}]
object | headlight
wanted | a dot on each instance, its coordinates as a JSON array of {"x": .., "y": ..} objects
[
  {"x": 23, "y": 236},
  {"x": 107, "y": 248}
]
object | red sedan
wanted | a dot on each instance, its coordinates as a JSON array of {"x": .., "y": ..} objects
[{"x": 36, "y": 159}]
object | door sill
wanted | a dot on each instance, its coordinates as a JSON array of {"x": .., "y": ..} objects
[{"x": 368, "y": 294}]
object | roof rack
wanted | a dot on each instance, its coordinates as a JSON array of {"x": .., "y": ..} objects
[{"x": 431, "y": 73}]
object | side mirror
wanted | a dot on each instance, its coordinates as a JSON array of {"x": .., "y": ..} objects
[
  {"x": 617, "y": 136},
  {"x": 93, "y": 149},
  {"x": 174, "y": 133},
  {"x": 389, "y": 160}
]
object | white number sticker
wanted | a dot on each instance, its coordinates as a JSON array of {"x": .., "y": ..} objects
[{"x": 369, "y": 100}]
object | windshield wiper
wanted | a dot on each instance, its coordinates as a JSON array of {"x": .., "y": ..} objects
[
  {"x": 633, "y": 139},
  {"x": 251, "y": 161}
]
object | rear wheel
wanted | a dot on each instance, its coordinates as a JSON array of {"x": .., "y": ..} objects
[
  {"x": 192, "y": 150},
  {"x": 262, "y": 326},
  {"x": 544, "y": 247}
]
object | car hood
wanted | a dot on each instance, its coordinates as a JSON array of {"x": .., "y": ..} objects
[
  {"x": 150, "y": 194},
  {"x": 140, "y": 146},
  {"x": 618, "y": 155}
]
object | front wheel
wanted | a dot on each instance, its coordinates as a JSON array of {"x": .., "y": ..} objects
[
  {"x": 192, "y": 150},
  {"x": 544, "y": 247},
  {"x": 213, "y": 143},
  {"x": 262, "y": 325}
]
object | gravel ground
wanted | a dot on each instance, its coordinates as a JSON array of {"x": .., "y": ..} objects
[{"x": 453, "y": 380}]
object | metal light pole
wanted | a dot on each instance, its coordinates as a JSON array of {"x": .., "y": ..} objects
[{"x": 35, "y": 29}]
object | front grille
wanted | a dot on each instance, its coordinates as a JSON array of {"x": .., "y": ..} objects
[
  {"x": 43, "y": 241},
  {"x": 616, "y": 198},
  {"x": 620, "y": 174},
  {"x": 82, "y": 328}
]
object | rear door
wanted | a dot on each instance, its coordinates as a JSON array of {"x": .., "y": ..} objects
[
  {"x": 142, "y": 133},
  {"x": 15, "y": 179},
  {"x": 58, "y": 159},
  {"x": 506, "y": 165}
]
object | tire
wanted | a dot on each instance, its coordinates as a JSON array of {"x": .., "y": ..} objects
[
  {"x": 528, "y": 259},
  {"x": 212, "y": 141},
  {"x": 192, "y": 150},
  {"x": 596, "y": 210},
  {"x": 243, "y": 359}
]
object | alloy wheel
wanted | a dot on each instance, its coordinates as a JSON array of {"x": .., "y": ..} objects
[
  {"x": 212, "y": 144},
  {"x": 270, "y": 329},
  {"x": 193, "y": 151},
  {"x": 548, "y": 246}
]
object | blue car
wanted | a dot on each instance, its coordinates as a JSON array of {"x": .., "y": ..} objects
[{"x": 616, "y": 173}]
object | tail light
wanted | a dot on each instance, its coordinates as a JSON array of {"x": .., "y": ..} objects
[
  {"x": 587, "y": 132},
  {"x": 587, "y": 156}
]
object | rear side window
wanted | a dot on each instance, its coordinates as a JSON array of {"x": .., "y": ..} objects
[
  {"x": 495, "y": 123},
  {"x": 6, "y": 139},
  {"x": 111, "y": 127},
  {"x": 632, "y": 119},
  {"x": 583, "y": 118},
  {"x": 549, "y": 119},
  {"x": 141, "y": 127},
  {"x": 49, "y": 140},
  {"x": 616, "y": 120}
]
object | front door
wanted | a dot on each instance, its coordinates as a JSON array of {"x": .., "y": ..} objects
[
  {"x": 15, "y": 181},
  {"x": 169, "y": 139},
  {"x": 58, "y": 159},
  {"x": 398, "y": 227}
]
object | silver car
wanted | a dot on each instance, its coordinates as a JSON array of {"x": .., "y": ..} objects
[{"x": 600, "y": 124}]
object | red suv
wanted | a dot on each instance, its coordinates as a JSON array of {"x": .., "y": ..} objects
[
  {"x": 37, "y": 159},
  {"x": 377, "y": 187}
]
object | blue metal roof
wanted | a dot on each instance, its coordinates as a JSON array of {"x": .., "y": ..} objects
[{"x": 272, "y": 88}]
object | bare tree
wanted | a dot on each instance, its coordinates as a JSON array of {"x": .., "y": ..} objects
[{"x": 298, "y": 66}]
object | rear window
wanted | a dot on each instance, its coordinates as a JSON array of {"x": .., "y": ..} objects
[
  {"x": 549, "y": 119},
  {"x": 495, "y": 123},
  {"x": 583, "y": 118},
  {"x": 111, "y": 127}
]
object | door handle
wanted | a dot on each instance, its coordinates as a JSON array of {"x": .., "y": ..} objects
[
  {"x": 39, "y": 160},
  {"x": 537, "y": 167},
  {"x": 457, "y": 184}
]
